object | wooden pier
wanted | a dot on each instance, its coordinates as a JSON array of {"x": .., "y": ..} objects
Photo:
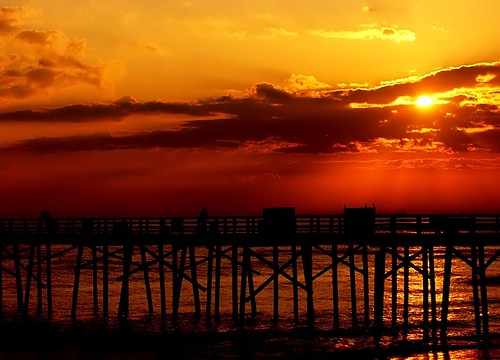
[{"x": 179, "y": 247}]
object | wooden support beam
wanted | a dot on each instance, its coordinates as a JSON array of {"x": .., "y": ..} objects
[
  {"x": 251, "y": 289},
  {"x": 306, "y": 250},
  {"x": 295, "y": 288},
  {"x": 234, "y": 272},
  {"x": 379, "y": 291},
  {"x": 243, "y": 285},
  {"x": 406, "y": 287},
  {"x": 446, "y": 292},
  {"x": 484, "y": 293},
  {"x": 366, "y": 286},
  {"x": 95, "y": 279},
  {"x": 29, "y": 275},
  {"x": 276, "y": 287},
  {"x": 105, "y": 281},
  {"x": 217, "y": 282},
  {"x": 123, "y": 307},
  {"x": 147, "y": 284},
  {"x": 48, "y": 255},
  {"x": 194, "y": 276},
  {"x": 177, "y": 282},
  {"x": 335, "y": 287},
  {"x": 425, "y": 292},
  {"x": 17, "y": 270},
  {"x": 76, "y": 283},
  {"x": 432, "y": 280},
  {"x": 39, "y": 290},
  {"x": 1, "y": 269},
  {"x": 210, "y": 269},
  {"x": 394, "y": 287},
  {"x": 475, "y": 290},
  {"x": 394, "y": 278},
  {"x": 352, "y": 280},
  {"x": 161, "y": 269}
]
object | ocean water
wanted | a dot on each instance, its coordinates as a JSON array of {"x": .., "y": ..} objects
[{"x": 151, "y": 337}]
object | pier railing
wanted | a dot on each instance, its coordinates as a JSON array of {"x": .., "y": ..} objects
[{"x": 252, "y": 225}]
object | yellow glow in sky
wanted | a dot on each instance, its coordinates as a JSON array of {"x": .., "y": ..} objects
[{"x": 424, "y": 101}]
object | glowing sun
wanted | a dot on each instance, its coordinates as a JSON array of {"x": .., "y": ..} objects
[{"x": 423, "y": 101}]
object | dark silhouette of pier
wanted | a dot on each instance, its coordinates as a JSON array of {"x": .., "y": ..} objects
[{"x": 178, "y": 246}]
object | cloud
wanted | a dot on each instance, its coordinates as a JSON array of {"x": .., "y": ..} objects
[
  {"x": 283, "y": 32},
  {"x": 121, "y": 108},
  {"x": 149, "y": 46},
  {"x": 306, "y": 116},
  {"x": 50, "y": 60},
  {"x": 274, "y": 32},
  {"x": 306, "y": 84},
  {"x": 382, "y": 33},
  {"x": 36, "y": 37},
  {"x": 11, "y": 17}
]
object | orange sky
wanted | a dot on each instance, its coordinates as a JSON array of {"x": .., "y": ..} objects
[{"x": 124, "y": 108}]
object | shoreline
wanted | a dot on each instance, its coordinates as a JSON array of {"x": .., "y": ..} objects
[{"x": 97, "y": 337}]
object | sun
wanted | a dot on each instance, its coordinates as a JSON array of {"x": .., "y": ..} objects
[{"x": 424, "y": 101}]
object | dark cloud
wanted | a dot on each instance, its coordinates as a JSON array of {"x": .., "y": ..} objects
[
  {"x": 316, "y": 133},
  {"x": 489, "y": 140},
  {"x": 293, "y": 123},
  {"x": 186, "y": 138},
  {"x": 271, "y": 93},
  {"x": 103, "y": 112},
  {"x": 36, "y": 37}
]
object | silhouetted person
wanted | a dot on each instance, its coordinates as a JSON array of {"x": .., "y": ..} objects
[
  {"x": 202, "y": 221},
  {"x": 50, "y": 224}
]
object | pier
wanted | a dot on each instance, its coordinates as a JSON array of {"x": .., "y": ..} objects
[{"x": 378, "y": 250}]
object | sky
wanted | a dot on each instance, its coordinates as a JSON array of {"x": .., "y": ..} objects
[{"x": 161, "y": 108}]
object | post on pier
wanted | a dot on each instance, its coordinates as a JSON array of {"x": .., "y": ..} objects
[
  {"x": 123, "y": 231},
  {"x": 143, "y": 229},
  {"x": 484, "y": 292},
  {"x": 279, "y": 226},
  {"x": 218, "y": 258},
  {"x": 394, "y": 269},
  {"x": 105, "y": 269},
  {"x": 335, "y": 285},
  {"x": 234, "y": 281},
  {"x": 29, "y": 275},
  {"x": 2, "y": 233},
  {"x": 455, "y": 230},
  {"x": 5, "y": 228},
  {"x": 161, "y": 268},
  {"x": 379, "y": 291},
  {"x": 35, "y": 259},
  {"x": 247, "y": 276},
  {"x": 210, "y": 268},
  {"x": 359, "y": 230},
  {"x": 177, "y": 227}
]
